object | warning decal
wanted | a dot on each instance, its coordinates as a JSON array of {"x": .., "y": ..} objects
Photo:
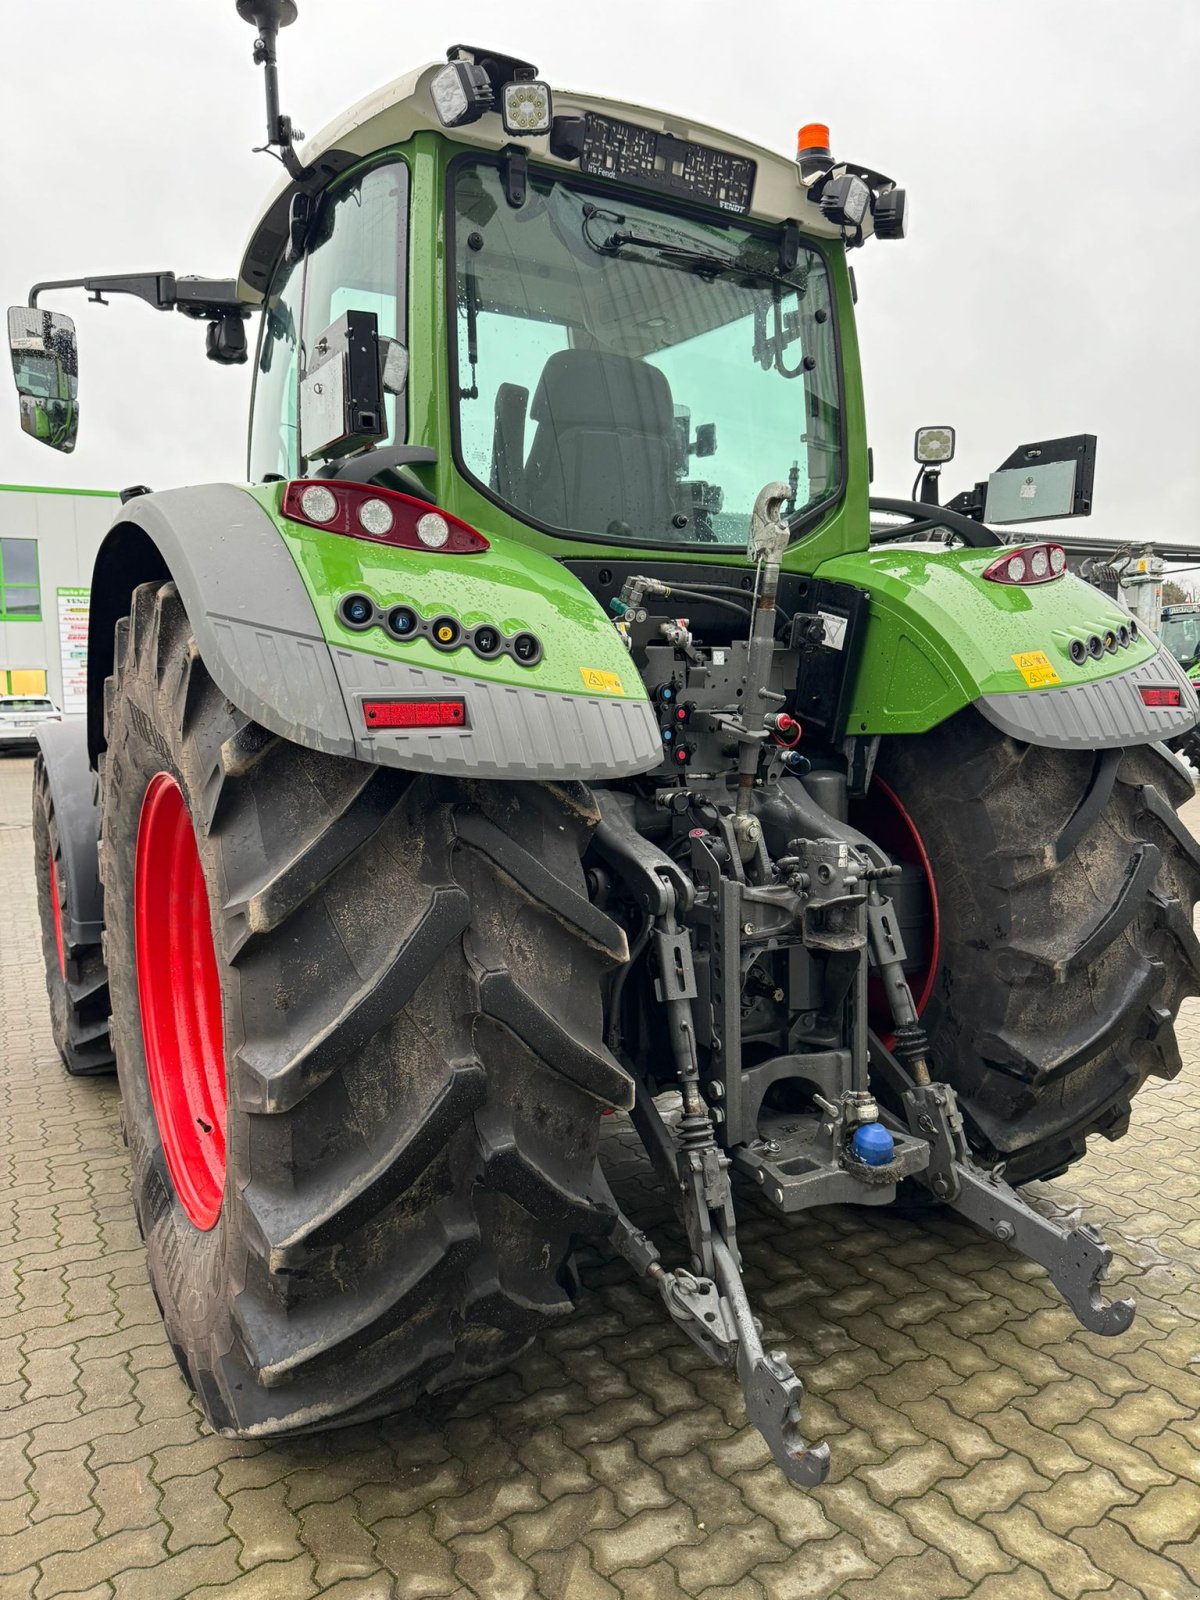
[
  {"x": 1034, "y": 666},
  {"x": 606, "y": 682}
]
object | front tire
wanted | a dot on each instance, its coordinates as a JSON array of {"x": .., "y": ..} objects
[
  {"x": 411, "y": 980},
  {"x": 1065, "y": 885}
]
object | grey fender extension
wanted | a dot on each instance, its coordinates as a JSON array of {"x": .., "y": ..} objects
[{"x": 1104, "y": 714}]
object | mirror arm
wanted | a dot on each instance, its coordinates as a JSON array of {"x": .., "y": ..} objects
[
  {"x": 195, "y": 297},
  {"x": 156, "y": 288}
]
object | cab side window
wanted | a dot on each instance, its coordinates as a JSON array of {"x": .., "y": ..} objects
[
  {"x": 357, "y": 262},
  {"x": 273, "y": 419}
]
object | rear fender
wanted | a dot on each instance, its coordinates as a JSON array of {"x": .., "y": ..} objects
[
  {"x": 940, "y": 636},
  {"x": 260, "y": 594}
]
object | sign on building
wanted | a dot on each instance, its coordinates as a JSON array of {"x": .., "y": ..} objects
[{"x": 73, "y": 648}]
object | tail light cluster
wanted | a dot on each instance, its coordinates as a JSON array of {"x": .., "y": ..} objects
[
  {"x": 383, "y": 516},
  {"x": 1032, "y": 563}
]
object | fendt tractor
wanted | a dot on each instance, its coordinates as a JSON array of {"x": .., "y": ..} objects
[{"x": 542, "y": 731}]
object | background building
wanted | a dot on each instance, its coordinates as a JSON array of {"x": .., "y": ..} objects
[{"x": 48, "y": 542}]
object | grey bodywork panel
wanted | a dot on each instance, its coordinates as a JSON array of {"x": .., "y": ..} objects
[
  {"x": 259, "y": 637},
  {"x": 64, "y": 749},
  {"x": 1096, "y": 716},
  {"x": 513, "y": 732}
]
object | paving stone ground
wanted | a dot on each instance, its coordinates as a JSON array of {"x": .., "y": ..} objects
[{"x": 982, "y": 1443}]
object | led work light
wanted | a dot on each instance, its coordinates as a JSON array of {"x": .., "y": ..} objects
[
  {"x": 846, "y": 200},
  {"x": 934, "y": 445},
  {"x": 461, "y": 93},
  {"x": 526, "y": 106}
]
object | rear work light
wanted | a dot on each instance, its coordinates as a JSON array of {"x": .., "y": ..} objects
[
  {"x": 415, "y": 713},
  {"x": 382, "y": 516},
  {"x": 1160, "y": 697},
  {"x": 1032, "y": 563}
]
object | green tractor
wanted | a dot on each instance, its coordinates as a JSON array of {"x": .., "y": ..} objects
[{"x": 542, "y": 731}]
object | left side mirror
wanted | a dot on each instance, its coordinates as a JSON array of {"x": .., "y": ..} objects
[{"x": 46, "y": 372}]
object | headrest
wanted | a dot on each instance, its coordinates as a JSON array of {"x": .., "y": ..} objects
[{"x": 600, "y": 389}]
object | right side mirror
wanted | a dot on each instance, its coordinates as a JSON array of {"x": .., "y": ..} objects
[{"x": 46, "y": 371}]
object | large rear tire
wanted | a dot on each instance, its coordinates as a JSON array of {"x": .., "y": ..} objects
[
  {"x": 412, "y": 979},
  {"x": 76, "y": 976},
  {"x": 1065, "y": 885}
]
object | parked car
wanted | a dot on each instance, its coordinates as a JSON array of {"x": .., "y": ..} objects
[{"x": 20, "y": 715}]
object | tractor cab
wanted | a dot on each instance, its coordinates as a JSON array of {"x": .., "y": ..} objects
[{"x": 609, "y": 325}]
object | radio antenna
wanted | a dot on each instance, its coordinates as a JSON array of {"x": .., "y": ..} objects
[{"x": 268, "y": 16}]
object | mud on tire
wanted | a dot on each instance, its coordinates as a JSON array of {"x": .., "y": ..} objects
[
  {"x": 412, "y": 979},
  {"x": 76, "y": 977},
  {"x": 1065, "y": 884}
]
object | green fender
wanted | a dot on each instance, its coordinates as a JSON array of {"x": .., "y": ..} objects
[
  {"x": 262, "y": 594},
  {"x": 939, "y": 637}
]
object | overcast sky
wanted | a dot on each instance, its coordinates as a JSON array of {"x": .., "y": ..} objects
[{"x": 1048, "y": 286}]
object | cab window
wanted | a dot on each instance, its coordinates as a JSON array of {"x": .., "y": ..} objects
[
  {"x": 273, "y": 429},
  {"x": 356, "y": 260}
]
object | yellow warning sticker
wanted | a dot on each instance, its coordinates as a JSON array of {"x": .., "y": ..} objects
[
  {"x": 605, "y": 682},
  {"x": 1034, "y": 666}
]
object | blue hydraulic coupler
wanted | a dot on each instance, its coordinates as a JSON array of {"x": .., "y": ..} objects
[{"x": 873, "y": 1144}]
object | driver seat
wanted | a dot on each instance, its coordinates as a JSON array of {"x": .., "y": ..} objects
[{"x": 603, "y": 449}]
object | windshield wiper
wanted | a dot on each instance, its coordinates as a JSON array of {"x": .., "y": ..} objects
[{"x": 701, "y": 260}]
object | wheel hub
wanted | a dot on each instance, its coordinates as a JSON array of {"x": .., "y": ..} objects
[{"x": 179, "y": 996}]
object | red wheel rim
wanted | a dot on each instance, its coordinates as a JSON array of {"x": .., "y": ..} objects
[
  {"x": 883, "y": 818},
  {"x": 179, "y": 995},
  {"x": 57, "y": 909}
]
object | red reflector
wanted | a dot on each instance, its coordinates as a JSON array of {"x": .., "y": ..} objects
[
  {"x": 1161, "y": 697},
  {"x": 414, "y": 713}
]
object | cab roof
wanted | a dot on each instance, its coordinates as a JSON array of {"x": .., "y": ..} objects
[{"x": 392, "y": 114}]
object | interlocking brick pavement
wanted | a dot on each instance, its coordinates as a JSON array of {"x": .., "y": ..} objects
[{"x": 983, "y": 1444}]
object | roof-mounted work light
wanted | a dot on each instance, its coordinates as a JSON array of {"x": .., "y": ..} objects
[
  {"x": 846, "y": 200},
  {"x": 526, "y": 106},
  {"x": 476, "y": 80},
  {"x": 461, "y": 93}
]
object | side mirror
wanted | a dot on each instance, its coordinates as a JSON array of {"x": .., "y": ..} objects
[
  {"x": 46, "y": 371},
  {"x": 706, "y": 439}
]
